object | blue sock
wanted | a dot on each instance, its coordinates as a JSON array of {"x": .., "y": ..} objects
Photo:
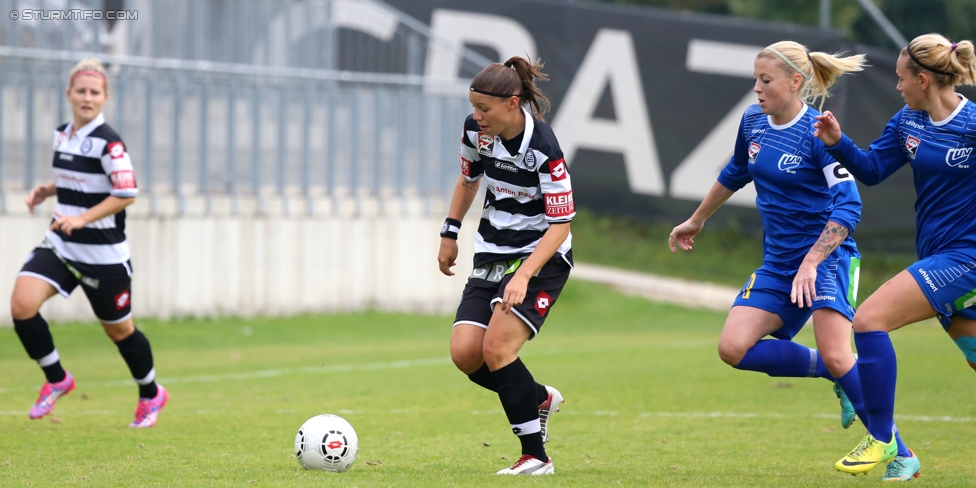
[
  {"x": 784, "y": 358},
  {"x": 902, "y": 448},
  {"x": 851, "y": 384},
  {"x": 878, "y": 368}
]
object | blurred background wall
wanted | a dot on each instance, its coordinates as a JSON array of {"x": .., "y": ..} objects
[{"x": 299, "y": 156}]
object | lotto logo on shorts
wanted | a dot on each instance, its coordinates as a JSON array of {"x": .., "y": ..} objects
[
  {"x": 557, "y": 169},
  {"x": 116, "y": 150},
  {"x": 542, "y": 303},
  {"x": 122, "y": 300},
  {"x": 123, "y": 180}
]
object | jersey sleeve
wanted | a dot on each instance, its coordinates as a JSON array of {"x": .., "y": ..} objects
[
  {"x": 118, "y": 166},
  {"x": 470, "y": 159},
  {"x": 735, "y": 174},
  {"x": 881, "y": 160},
  {"x": 557, "y": 189},
  {"x": 843, "y": 190}
]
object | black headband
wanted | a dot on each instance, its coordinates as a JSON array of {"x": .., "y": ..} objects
[
  {"x": 943, "y": 73},
  {"x": 493, "y": 94}
]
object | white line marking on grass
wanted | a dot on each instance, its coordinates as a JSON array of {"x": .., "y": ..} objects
[{"x": 263, "y": 374}]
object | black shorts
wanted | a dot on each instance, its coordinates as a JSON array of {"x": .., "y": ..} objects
[
  {"x": 110, "y": 298},
  {"x": 486, "y": 287}
]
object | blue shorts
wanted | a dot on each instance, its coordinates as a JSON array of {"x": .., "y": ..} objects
[
  {"x": 770, "y": 286},
  {"x": 948, "y": 280}
]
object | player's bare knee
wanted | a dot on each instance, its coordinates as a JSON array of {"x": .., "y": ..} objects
[
  {"x": 837, "y": 362},
  {"x": 864, "y": 321},
  {"x": 21, "y": 309},
  {"x": 731, "y": 354},
  {"x": 465, "y": 360}
]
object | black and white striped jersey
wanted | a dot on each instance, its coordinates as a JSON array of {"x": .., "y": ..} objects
[
  {"x": 526, "y": 191},
  {"x": 88, "y": 167}
]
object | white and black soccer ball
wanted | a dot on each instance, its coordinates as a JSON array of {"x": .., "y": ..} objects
[{"x": 326, "y": 442}]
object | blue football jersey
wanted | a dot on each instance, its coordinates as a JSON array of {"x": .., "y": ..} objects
[
  {"x": 799, "y": 187},
  {"x": 943, "y": 168}
]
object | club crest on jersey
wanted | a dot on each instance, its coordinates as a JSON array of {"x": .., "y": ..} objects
[
  {"x": 753, "y": 152},
  {"x": 486, "y": 144},
  {"x": 956, "y": 157},
  {"x": 911, "y": 145},
  {"x": 529, "y": 160}
]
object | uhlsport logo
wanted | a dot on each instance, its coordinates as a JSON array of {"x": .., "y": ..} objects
[
  {"x": 753, "y": 152},
  {"x": 956, "y": 157},
  {"x": 911, "y": 145}
]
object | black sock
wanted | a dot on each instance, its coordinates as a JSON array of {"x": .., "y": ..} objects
[
  {"x": 137, "y": 354},
  {"x": 518, "y": 394},
  {"x": 35, "y": 335},
  {"x": 486, "y": 380},
  {"x": 541, "y": 394}
]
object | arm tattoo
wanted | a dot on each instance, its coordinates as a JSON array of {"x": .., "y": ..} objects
[
  {"x": 469, "y": 186},
  {"x": 831, "y": 237}
]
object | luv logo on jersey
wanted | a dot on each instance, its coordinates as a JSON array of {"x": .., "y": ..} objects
[
  {"x": 789, "y": 162},
  {"x": 956, "y": 157}
]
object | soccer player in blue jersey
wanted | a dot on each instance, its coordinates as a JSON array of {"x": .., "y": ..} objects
[
  {"x": 809, "y": 207},
  {"x": 85, "y": 246},
  {"x": 934, "y": 134},
  {"x": 523, "y": 252}
]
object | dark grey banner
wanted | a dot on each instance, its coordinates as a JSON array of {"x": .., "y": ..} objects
[{"x": 646, "y": 102}]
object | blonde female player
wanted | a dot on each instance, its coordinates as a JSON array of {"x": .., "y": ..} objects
[
  {"x": 85, "y": 245},
  {"x": 933, "y": 133},
  {"x": 809, "y": 208}
]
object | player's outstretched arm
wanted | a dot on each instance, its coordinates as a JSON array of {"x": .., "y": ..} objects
[{"x": 684, "y": 234}]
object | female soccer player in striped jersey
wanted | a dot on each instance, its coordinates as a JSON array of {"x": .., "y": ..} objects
[
  {"x": 809, "y": 208},
  {"x": 934, "y": 134},
  {"x": 522, "y": 250},
  {"x": 85, "y": 245}
]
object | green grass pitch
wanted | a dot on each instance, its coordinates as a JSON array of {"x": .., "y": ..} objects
[{"x": 648, "y": 403}]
